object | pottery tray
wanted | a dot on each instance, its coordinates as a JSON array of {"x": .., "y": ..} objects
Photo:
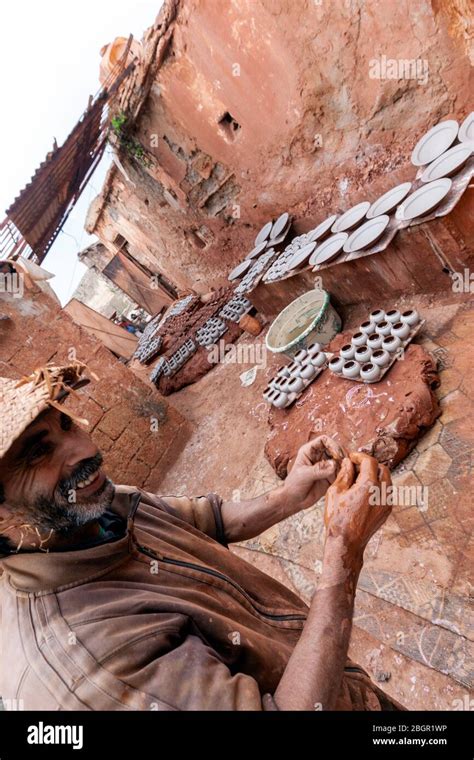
[
  {"x": 396, "y": 355},
  {"x": 292, "y": 397}
]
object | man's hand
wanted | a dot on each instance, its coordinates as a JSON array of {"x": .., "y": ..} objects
[
  {"x": 353, "y": 511},
  {"x": 315, "y": 467}
]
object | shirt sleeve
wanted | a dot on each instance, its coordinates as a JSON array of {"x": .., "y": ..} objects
[{"x": 202, "y": 512}]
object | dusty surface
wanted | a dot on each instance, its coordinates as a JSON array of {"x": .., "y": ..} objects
[
  {"x": 413, "y": 620},
  {"x": 384, "y": 419}
]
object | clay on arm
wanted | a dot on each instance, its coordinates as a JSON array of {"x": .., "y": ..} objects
[{"x": 312, "y": 678}]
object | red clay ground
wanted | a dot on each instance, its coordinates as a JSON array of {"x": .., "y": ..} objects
[{"x": 413, "y": 620}]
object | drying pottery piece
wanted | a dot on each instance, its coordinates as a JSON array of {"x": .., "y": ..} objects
[
  {"x": 424, "y": 199},
  {"x": 377, "y": 316},
  {"x": 301, "y": 256},
  {"x": 264, "y": 233},
  {"x": 239, "y": 270},
  {"x": 350, "y": 218},
  {"x": 329, "y": 250},
  {"x": 318, "y": 360},
  {"x": 259, "y": 248},
  {"x": 380, "y": 344},
  {"x": 280, "y": 225},
  {"x": 294, "y": 378},
  {"x": 392, "y": 316},
  {"x": 466, "y": 130},
  {"x": 321, "y": 229},
  {"x": 370, "y": 372},
  {"x": 448, "y": 163},
  {"x": 351, "y": 369},
  {"x": 389, "y": 200},
  {"x": 360, "y": 415},
  {"x": 367, "y": 234},
  {"x": 411, "y": 317},
  {"x": 359, "y": 339},
  {"x": 434, "y": 142}
]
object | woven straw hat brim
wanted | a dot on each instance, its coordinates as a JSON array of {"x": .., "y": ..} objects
[{"x": 21, "y": 401}]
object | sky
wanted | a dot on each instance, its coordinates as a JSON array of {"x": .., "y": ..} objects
[{"x": 49, "y": 64}]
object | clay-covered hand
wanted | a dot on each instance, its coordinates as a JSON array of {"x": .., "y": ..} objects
[
  {"x": 355, "y": 507},
  {"x": 315, "y": 467}
]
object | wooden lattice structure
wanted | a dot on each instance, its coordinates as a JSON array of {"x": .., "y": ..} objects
[{"x": 37, "y": 215}]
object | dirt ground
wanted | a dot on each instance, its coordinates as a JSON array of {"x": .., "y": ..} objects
[{"x": 413, "y": 621}]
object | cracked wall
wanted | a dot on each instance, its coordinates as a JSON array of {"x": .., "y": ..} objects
[{"x": 260, "y": 107}]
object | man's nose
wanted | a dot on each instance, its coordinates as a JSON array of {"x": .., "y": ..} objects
[{"x": 77, "y": 448}]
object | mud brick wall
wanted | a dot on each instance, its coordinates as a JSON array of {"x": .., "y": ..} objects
[
  {"x": 261, "y": 107},
  {"x": 119, "y": 406}
]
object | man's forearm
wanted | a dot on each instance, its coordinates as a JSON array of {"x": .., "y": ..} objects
[
  {"x": 247, "y": 519},
  {"x": 312, "y": 678}
]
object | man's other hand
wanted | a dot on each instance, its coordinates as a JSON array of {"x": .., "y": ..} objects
[{"x": 314, "y": 468}]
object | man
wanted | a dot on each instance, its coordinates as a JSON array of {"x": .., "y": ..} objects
[{"x": 116, "y": 599}]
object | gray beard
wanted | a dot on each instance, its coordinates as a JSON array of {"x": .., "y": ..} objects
[{"x": 61, "y": 516}]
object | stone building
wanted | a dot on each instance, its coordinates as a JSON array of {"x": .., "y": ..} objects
[{"x": 239, "y": 111}]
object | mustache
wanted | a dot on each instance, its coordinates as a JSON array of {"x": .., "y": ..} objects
[{"x": 84, "y": 469}]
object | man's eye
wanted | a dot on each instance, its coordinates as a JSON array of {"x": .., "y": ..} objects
[{"x": 39, "y": 451}]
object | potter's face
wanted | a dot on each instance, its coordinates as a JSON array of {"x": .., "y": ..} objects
[{"x": 51, "y": 477}]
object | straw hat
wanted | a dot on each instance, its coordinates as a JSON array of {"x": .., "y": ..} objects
[{"x": 21, "y": 401}]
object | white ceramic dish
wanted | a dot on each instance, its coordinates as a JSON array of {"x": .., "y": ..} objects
[
  {"x": 321, "y": 229},
  {"x": 350, "y": 218},
  {"x": 329, "y": 250},
  {"x": 448, "y": 163},
  {"x": 425, "y": 199},
  {"x": 240, "y": 269},
  {"x": 434, "y": 142},
  {"x": 466, "y": 130},
  {"x": 389, "y": 200},
  {"x": 264, "y": 233},
  {"x": 279, "y": 225},
  {"x": 366, "y": 234},
  {"x": 256, "y": 251},
  {"x": 300, "y": 256}
]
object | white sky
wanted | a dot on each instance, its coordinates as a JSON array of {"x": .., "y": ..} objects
[{"x": 49, "y": 64}]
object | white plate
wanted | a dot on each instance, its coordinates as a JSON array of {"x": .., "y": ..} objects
[
  {"x": 279, "y": 225},
  {"x": 300, "y": 256},
  {"x": 257, "y": 250},
  {"x": 424, "y": 199},
  {"x": 350, "y": 218},
  {"x": 448, "y": 163},
  {"x": 434, "y": 142},
  {"x": 264, "y": 233},
  {"x": 240, "y": 269},
  {"x": 321, "y": 229},
  {"x": 466, "y": 130},
  {"x": 367, "y": 234},
  {"x": 330, "y": 249},
  {"x": 389, "y": 200}
]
